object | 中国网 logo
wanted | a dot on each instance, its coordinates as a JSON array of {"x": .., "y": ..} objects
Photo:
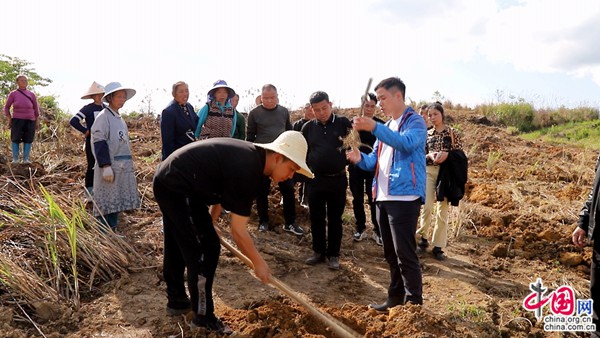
[{"x": 567, "y": 314}]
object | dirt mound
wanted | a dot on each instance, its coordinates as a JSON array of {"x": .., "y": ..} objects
[{"x": 514, "y": 225}]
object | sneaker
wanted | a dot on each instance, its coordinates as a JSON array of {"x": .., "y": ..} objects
[
  {"x": 263, "y": 227},
  {"x": 438, "y": 253},
  {"x": 211, "y": 325},
  {"x": 315, "y": 258},
  {"x": 359, "y": 236},
  {"x": 378, "y": 240},
  {"x": 294, "y": 228},
  {"x": 178, "y": 307},
  {"x": 334, "y": 263}
]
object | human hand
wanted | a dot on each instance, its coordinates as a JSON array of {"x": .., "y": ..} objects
[
  {"x": 107, "y": 174},
  {"x": 579, "y": 237},
  {"x": 363, "y": 123},
  {"x": 440, "y": 157},
  {"x": 353, "y": 155},
  {"x": 262, "y": 271}
]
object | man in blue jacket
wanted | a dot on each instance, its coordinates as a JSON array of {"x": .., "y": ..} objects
[{"x": 398, "y": 188}]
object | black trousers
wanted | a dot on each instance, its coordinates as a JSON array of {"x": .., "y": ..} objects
[
  {"x": 91, "y": 161},
  {"x": 190, "y": 240},
  {"x": 326, "y": 202},
  {"x": 361, "y": 182},
  {"x": 398, "y": 224},
  {"x": 595, "y": 285},
  {"x": 22, "y": 131},
  {"x": 289, "y": 204}
]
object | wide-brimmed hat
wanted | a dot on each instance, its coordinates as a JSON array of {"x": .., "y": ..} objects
[
  {"x": 220, "y": 84},
  {"x": 95, "y": 88},
  {"x": 292, "y": 145},
  {"x": 116, "y": 86}
]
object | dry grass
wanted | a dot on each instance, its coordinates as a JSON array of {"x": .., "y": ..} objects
[{"x": 50, "y": 247}]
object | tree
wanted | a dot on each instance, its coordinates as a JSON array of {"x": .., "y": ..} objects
[
  {"x": 438, "y": 97},
  {"x": 10, "y": 67}
]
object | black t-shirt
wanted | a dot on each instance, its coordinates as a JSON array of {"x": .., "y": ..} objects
[
  {"x": 297, "y": 126},
  {"x": 367, "y": 138},
  {"x": 325, "y": 154},
  {"x": 218, "y": 170}
]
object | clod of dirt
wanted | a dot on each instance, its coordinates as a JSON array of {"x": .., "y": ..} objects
[
  {"x": 48, "y": 311},
  {"x": 550, "y": 235},
  {"x": 570, "y": 258},
  {"x": 6, "y": 315},
  {"x": 500, "y": 250}
]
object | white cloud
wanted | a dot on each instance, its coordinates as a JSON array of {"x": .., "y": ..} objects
[
  {"x": 301, "y": 46},
  {"x": 546, "y": 36}
]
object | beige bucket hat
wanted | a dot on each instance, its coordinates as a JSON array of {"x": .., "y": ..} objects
[
  {"x": 95, "y": 88},
  {"x": 292, "y": 145},
  {"x": 116, "y": 86}
]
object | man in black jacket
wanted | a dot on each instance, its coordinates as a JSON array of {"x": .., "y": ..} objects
[
  {"x": 327, "y": 191},
  {"x": 588, "y": 218},
  {"x": 361, "y": 181}
]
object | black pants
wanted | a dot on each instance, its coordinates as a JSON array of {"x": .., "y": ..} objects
[
  {"x": 22, "y": 131},
  {"x": 398, "y": 224},
  {"x": 289, "y": 204},
  {"x": 326, "y": 202},
  {"x": 595, "y": 285},
  {"x": 91, "y": 161},
  {"x": 361, "y": 182},
  {"x": 189, "y": 240}
]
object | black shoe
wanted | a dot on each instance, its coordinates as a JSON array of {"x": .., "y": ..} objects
[
  {"x": 211, "y": 325},
  {"x": 389, "y": 303},
  {"x": 180, "y": 307},
  {"x": 263, "y": 227},
  {"x": 438, "y": 253},
  {"x": 334, "y": 263},
  {"x": 315, "y": 258},
  {"x": 422, "y": 246}
]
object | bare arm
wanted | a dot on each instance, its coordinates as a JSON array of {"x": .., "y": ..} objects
[{"x": 244, "y": 242}]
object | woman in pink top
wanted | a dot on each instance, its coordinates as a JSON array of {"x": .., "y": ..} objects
[{"x": 24, "y": 118}]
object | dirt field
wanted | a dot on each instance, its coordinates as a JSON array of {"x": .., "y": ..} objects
[{"x": 513, "y": 226}]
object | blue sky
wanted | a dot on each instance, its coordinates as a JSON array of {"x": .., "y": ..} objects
[{"x": 468, "y": 50}]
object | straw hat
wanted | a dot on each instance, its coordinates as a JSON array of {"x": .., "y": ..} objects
[
  {"x": 220, "y": 84},
  {"x": 116, "y": 86},
  {"x": 95, "y": 88},
  {"x": 292, "y": 145}
]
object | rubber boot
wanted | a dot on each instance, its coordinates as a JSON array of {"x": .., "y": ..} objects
[
  {"x": 15, "y": 151},
  {"x": 390, "y": 302},
  {"x": 26, "y": 151}
]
